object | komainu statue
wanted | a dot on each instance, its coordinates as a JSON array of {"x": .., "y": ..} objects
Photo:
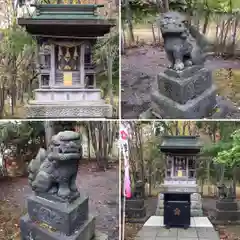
[
  {"x": 183, "y": 44},
  {"x": 52, "y": 174}
]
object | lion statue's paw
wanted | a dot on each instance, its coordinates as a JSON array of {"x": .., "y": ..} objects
[{"x": 179, "y": 66}]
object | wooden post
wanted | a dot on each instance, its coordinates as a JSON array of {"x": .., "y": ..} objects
[
  {"x": 53, "y": 64},
  {"x": 82, "y": 65}
]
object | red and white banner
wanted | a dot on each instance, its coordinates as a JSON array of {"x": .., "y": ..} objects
[{"x": 124, "y": 136}]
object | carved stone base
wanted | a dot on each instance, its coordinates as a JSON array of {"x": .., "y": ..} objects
[
  {"x": 199, "y": 107},
  {"x": 227, "y": 216},
  {"x": 85, "y": 109},
  {"x": 227, "y": 211},
  {"x": 136, "y": 212},
  {"x": 33, "y": 231},
  {"x": 186, "y": 85},
  {"x": 227, "y": 205},
  {"x": 64, "y": 217},
  {"x": 134, "y": 203},
  {"x": 135, "y": 208}
]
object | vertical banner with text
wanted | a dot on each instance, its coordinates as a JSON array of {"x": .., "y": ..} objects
[{"x": 124, "y": 136}]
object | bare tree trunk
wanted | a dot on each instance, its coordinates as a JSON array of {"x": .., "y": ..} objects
[
  {"x": 206, "y": 21},
  {"x": 166, "y": 5},
  {"x": 177, "y": 129},
  {"x": 153, "y": 33},
  {"x": 159, "y": 6},
  {"x": 88, "y": 140},
  {"x": 184, "y": 127},
  {"x": 110, "y": 85},
  {"x": 129, "y": 21},
  {"x": 208, "y": 176},
  {"x": 2, "y": 101},
  {"x": 101, "y": 136},
  {"x": 226, "y": 34},
  {"x": 235, "y": 34},
  {"x": 234, "y": 181},
  {"x": 48, "y": 126},
  {"x": 123, "y": 38}
]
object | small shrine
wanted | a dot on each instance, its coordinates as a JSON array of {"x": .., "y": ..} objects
[
  {"x": 181, "y": 153},
  {"x": 180, "y": 161},
  {"x": 66, "y": 33}
]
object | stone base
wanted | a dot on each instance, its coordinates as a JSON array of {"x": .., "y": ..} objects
[
  {"x": 182, "y": 187},
  {"x": 227, "y": 205},
  {"x": 85, "y": 109},
  {"x": 227, "y": 216},
  {"x": 135, "y": 212},
  {"x": 223, "y": 109},
  {"x": 227, "y": 211},
  {"x": 32, "y": 230},
  {"x": 184, "y": 85},
  {"x": 134, "y": 203},
  {"x": 64, "y": 217},
  {"x": 73, "y": 93},
  {"x": 200, "y": 229},
  {"x": 199, "y": 107},
  {"x": 135, "y": 208}
]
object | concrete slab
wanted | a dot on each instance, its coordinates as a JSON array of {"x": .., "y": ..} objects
[{"x": 200, "y": 229}]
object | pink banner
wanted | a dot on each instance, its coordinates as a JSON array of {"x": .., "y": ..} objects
[{"x": 125, "y": 150}]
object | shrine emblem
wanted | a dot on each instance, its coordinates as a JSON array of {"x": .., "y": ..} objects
[{"x": 177, "y": 212}]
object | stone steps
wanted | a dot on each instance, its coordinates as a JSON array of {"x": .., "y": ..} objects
[{"x": 200, "y": 229}]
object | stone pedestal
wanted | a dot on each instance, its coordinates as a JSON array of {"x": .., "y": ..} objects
[
  {"x": 68, "y": 103},
  {"x": 135, "y": 210},
  {"x": 196, "y": 199},
  {"x": 184, "y": 94},
  {"x": 227, "y": 211},
  {"x": 50, "y": 220}
]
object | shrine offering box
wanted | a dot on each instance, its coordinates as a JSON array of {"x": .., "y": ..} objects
[{"x": 177, "y": 209}]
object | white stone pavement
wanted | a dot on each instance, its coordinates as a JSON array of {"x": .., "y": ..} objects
[{"x": 200, "y": 229}]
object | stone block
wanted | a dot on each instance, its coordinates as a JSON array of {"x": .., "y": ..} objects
[
  {"x": 134, "y": 203},
  {"x": 196, "y": 212},
  {"x": 226, "y": 205},
  {"x": 196, "y": 197},
  {"x": 196, "y": 204},
  {"x": 67, "y": 94},
  {"x": 180, "y": 188},
  {"x": 136, "y": 212},
  {"x": 182, "y": 88},
  {"x": 32, "y": 230},
  {"x": 64, "y": 217},
  {"x": 227, "y": 216},
  {"x": 200, "y": 107},
  {"x": 85, "y": 109}
]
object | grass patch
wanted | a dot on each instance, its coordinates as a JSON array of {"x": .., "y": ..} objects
[{"x": 228, "y": 83}]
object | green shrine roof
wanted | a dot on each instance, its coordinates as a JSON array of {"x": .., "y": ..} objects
[
  {"x": 171, "y": 143},
  {"x": 72, "y": 20},
  {"x": 67, "y": 11}
]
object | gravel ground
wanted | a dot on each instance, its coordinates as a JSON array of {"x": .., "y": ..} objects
[
  {"x": 101, "y": 187},
  {"x": 140, "y": 67}
]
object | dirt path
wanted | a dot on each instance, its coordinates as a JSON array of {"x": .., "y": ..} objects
[
  {"x": 140, "y": 67},
  {"x": 101, "y": 187}
]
